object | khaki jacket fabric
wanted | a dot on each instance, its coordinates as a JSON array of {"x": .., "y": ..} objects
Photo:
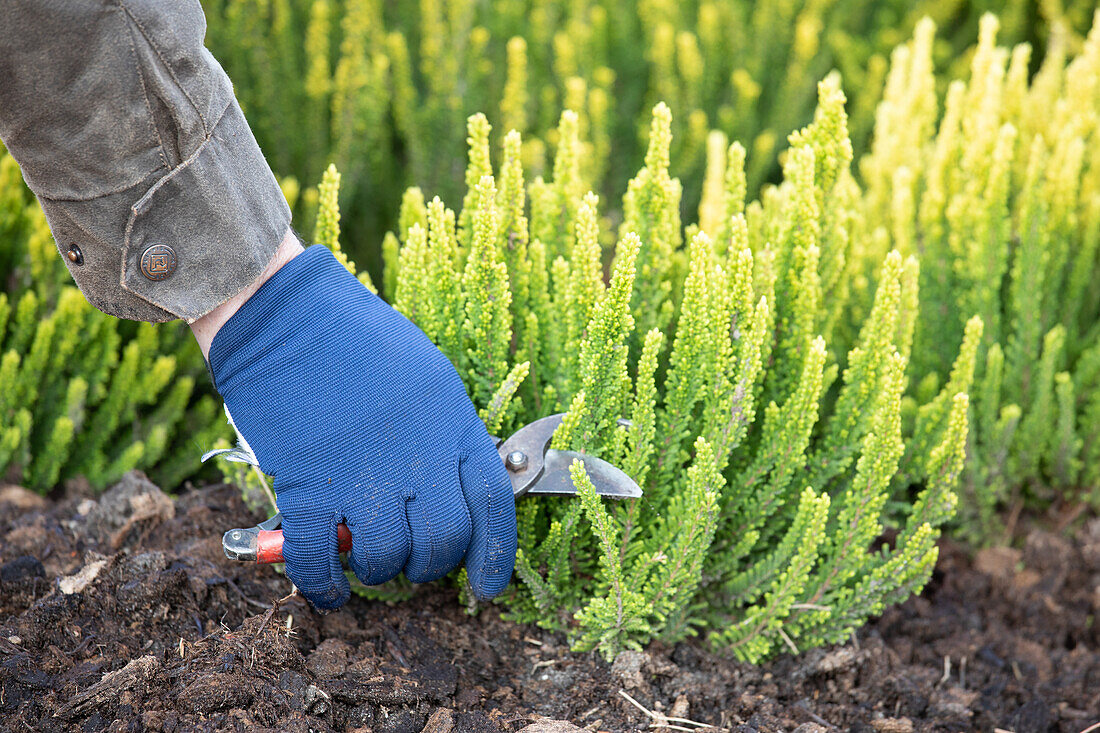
[{"x": 127, "y": 130}]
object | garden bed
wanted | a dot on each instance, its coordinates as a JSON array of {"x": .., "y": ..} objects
[{"x": 123, "y": 614}]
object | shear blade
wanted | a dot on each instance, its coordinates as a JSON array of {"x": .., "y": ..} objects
[{"x": 608, "y": 480}]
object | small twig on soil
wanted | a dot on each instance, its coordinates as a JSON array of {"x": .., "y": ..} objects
[
  {"x": 660, "y": 720},
  {"x": 804, "y": 706},
  {"x": 1092, "y": 727},
  {"x": 87, "y": 640},
  {"x": 266, "y": 619},
  {"x": 529, "y": 640},
  {"x": 544, "y": 663},
  {"x": 946, "y": 671},
  {"x": 109, "y": 687},
  {"x": 394, "y": 646},
  {"x": 245, "y": 598}
]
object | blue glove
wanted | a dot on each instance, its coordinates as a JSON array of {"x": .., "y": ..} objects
[{"x": 361, "y": 419}]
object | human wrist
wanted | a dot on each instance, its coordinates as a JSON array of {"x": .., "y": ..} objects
[
  {"x": 288, "y": 315},
  {"x": 207, "y": 327}
]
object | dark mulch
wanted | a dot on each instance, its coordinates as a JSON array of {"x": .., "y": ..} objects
[{"x": 123, "y": 614}]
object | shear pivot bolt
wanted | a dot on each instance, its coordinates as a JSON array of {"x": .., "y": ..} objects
[{"x": 516, "y": 461}]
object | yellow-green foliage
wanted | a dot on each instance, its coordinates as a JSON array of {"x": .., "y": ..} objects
[
  {"x": 384, "y": 89},
  {"x": 865, "y": 327},
  {"x": 767, "y": 445},
  {"x": 82, "y": 393},
  {"x": 999, "y": 197}
]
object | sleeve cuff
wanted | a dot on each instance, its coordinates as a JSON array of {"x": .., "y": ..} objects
[{"x": 209, "y": 227}]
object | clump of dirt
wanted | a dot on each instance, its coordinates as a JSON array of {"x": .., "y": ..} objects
[{"x": 123, "y": 613}]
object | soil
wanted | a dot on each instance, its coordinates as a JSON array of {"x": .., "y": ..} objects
[{"x": 123, "y": 614}]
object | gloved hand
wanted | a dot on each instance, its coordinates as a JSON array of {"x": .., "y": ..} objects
[{"x": 360, "y": 418}]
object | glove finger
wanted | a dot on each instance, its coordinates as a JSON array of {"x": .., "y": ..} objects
[
  {"x": 313, "y": 560},
  {"x": 488, "y": 492},
  {"x": 379, "y": 540},
  {"x": 439, "y": 525}
]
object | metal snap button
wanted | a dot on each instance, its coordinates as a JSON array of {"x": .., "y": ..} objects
[
  {"x": 75, "y": 255},
  {"x": 158, "y": 262}
]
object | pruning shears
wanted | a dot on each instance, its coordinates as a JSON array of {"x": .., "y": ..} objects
[{"x": 533, "y": 466}]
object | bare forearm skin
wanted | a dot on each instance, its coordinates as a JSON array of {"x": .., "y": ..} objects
[{"x": 206, "y": 327}]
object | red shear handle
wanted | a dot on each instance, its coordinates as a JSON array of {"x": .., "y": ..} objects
[{"x": 269, "y": 543}]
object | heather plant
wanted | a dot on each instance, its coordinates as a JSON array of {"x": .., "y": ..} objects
[
  {"x": 383, "y": 89},
  {"x": 804, "y": 371},
  {"x": 767, "y": 456},
  {"x": 999, "y": 196},
  {"x": 82, "y": 393}
]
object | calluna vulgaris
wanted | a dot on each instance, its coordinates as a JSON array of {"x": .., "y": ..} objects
[
  {"x": 383, "y": 89},
  {"x": 795, "y": 369},
  {"x": 766, "y": 466},
  {"x": 82, "y": 393}
]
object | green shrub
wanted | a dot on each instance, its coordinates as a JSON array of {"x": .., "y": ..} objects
[
  {"x": 1000, "y": 198},
  {"x": 766, "y": 467},
  {"x": 383, "y": 89},
  {"x": 796, "y": 369},
  {"x": 82, "y": 393}
]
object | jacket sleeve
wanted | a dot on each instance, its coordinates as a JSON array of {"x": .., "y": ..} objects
[{"x": 127, "y": 130}]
